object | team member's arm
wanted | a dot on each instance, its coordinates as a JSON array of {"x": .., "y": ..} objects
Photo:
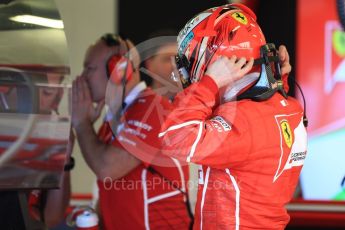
[
  {"x": 57, "y": 202},
  {"x": 58, "y": 199},
  {"x": 105, "y": 160}
]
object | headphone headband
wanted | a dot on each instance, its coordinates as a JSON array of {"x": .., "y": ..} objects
[{"x": 111, "y": 39}]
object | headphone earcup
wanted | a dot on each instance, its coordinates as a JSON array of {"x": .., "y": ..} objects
[{"x": 119, "y": 67}]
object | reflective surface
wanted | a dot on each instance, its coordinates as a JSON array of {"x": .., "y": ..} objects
[{"x": 34, "y": 95}]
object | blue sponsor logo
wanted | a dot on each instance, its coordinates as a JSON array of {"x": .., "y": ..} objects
[{"x": 185, "y": 42}]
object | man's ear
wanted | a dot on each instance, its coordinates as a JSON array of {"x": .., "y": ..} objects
[
  {"x": 148, "y": 63},
  {"x": 134, "y": 54}
]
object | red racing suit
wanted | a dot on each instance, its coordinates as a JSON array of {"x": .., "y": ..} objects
[
  {"x": 148, "y": 197},
  {"x": 251, "y": 154}
]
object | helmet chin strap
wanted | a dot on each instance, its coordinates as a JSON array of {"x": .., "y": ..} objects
[
  {"x": 182, "y": 65},
  {"x": 269, "y": 83}
]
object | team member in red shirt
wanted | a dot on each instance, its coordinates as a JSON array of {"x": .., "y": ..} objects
[
  {"x": 139, "y": 187},
  {"x": 158, "y": 62},
  {"x": 251, "y": 149}
]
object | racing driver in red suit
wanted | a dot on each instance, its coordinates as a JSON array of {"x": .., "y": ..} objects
[{"x": 236, "y": 121}]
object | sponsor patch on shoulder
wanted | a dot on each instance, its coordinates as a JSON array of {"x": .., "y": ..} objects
[{"x": 220, "y": 124}]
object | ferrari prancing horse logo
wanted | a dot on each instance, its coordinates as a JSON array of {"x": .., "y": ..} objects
[
  {"x": 287, "y": 134},
  {"x": 238, "y": 16}
]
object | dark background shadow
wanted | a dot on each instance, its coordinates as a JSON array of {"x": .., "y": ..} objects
[{"x": 138, "y": 19}]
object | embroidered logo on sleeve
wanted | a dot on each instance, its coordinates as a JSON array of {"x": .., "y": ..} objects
[
  {"x": 125, "y": 140},
  {"x": 220, "y": 124},
  {"x": 140, "y": 124}
]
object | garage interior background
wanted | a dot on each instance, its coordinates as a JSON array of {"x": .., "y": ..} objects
[{"x": 87, "y": 20}]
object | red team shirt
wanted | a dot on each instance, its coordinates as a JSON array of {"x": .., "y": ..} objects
[
  {"x": 148, "y": 197},
  {"x": 251, "y": 155}
]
